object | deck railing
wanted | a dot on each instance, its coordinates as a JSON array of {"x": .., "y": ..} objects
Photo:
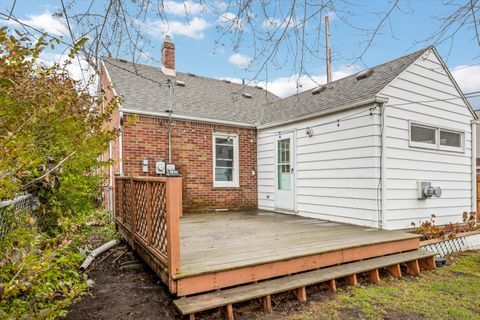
[{"x": 149, "y": 210}]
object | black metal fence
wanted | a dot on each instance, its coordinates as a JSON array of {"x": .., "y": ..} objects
[{"x": 12, "y": 210}]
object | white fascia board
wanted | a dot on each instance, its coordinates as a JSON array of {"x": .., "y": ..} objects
[
  {"x": 379, "y": 100},
  {"x": 187, "y": 118},
  {"x": 104, "y": 67}
]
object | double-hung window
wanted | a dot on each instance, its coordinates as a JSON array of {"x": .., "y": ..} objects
[
  {"x": 225, "y": 160},
  {"x": 425, "y": 136}
]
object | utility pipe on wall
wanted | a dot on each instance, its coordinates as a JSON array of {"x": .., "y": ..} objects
[
  {"x": 169, "y": 111},
  {"x": 474, "y": 164}
]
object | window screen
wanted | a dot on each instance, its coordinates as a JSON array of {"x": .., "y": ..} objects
[
  {"x": 422, "y": 134},
  {"x": 450, "y": 139}
]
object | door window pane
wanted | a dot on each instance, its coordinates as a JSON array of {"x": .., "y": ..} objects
[
  {"x": 423, "y": 134},
  {"x": 283, "y": 166},
  {"x": 450, "y": 139}
]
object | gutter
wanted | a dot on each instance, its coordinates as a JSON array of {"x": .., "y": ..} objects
[
  {"x": 378, "y": 100},
  {"x": 120, "y": 141},
  {"x": 188, "y": 118},
  {"x": 383, "y": 148}
]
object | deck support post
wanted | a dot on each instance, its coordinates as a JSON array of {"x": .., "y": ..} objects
[
  {"x": 174, "y": 211},
  {"x": 427, "y": 263},
  {"x": 228, "y": 312},
  {"x": 395, "y": 270},
  {"x": 332, "y": 285},
  {"x": 301, "y": 294},
  {"x": 191, "y": 316},
  {"x": 413, "y": 268},
  {"x": 352, "y": 280},
  {"x": 374, "y": 275},
  {"x": 266, "y": 304}
]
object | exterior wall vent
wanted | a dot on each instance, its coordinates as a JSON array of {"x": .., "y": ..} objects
[
  {"x": 317, "y": 90},
  {"x": 247, "y": 95},
  {"x": 180, "y": 83},
  {"x": 364, "y": 74}
]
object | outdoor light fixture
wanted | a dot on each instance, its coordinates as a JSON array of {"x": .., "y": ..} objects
[{"x": 309, "y": 132}]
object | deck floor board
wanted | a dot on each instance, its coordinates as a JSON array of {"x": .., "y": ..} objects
[{"x": 220, "y": 241}]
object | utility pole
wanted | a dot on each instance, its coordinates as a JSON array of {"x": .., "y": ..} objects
[{"x": 328, "y": 51}]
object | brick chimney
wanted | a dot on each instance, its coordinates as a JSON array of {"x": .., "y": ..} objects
[{"x": 168, "y": 57}]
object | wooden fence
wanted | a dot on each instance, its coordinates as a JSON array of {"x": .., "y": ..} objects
[{"x": 147, "y": 213}]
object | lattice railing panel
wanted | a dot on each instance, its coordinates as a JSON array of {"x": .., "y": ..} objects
[
  {"x": 146, "y": 217},
  {"x": 159, "y": 217},
  {"x": 118, "y": 199},
  {"x": 127, "y": 202},
  {"x": 141, "y": 199}
]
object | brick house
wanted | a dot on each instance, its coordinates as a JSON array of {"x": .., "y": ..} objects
[
  {"x": 207, "y": 115},
  {"x": 382, "y": 148}
]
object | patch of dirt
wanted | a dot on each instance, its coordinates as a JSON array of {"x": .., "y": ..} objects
[
  {"x": 123, "y": 294},
  {"x": 139, "y": 294}
]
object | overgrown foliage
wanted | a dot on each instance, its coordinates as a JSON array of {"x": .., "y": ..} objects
[
  {"x": 429, "y": 230},
  {"x": 52, "y": 130},
  {"x": 39, "y": 275}
]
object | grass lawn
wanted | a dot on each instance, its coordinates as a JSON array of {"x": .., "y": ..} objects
[{"x": 452, "y": 292}]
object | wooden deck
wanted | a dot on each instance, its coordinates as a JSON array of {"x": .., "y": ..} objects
[{"x": 221, "y": 250}]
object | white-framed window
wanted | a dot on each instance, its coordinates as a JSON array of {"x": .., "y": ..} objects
[
  {"x": 425, "y": 136},
  {"x": 225, "y": 160}
]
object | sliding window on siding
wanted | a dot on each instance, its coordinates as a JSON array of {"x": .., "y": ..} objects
[{"x": 424, "y": 136}]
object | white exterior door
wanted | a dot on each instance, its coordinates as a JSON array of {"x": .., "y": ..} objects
[{"x": 284, "y": 194}]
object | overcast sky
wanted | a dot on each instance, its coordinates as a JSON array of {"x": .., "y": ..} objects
[{"x": 196, "y": 51}]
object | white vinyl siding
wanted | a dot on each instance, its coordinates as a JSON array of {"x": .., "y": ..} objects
[
  {"x": 446, "y": 166},
  {"x": 337, "y": 170}
]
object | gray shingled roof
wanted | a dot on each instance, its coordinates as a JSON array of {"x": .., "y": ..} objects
[
  {"x": 339, "y": 93},
  {"x": 201, "y": 97},
  {"x": 209, "y": 98}
]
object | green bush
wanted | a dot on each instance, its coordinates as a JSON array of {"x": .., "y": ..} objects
[
  {"x": 53, "y": 130},
  {"x": 39, "y": 274}
]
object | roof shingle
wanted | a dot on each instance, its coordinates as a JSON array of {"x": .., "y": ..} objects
[{"x": 214, "y": 99}]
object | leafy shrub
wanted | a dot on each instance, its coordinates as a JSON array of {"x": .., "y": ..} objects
[
  {"x": 53, "y": 130},
  {"x": 429, "y": 230},
  {"x": 39, "y": 275}
]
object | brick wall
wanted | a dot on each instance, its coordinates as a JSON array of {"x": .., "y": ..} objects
[
  {"x": 114, "y": 124},
  {"x": 192, "y": 155}
]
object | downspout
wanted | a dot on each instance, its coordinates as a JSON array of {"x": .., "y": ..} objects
[
  {"x": 120, "y": 143},
  {"x": 474, "y": 164},
  {"x": 381, "y": 222},
  {"x": 110, "y": 181}
]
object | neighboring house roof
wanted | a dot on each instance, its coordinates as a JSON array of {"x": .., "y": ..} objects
[
  {"x": 200, "y": 98},
  {"x": 339, "y": 93}
]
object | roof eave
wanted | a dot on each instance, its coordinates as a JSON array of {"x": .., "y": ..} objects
[
  {"x": 375, "y": 99},
  {"x": 188, "y": 118}
]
